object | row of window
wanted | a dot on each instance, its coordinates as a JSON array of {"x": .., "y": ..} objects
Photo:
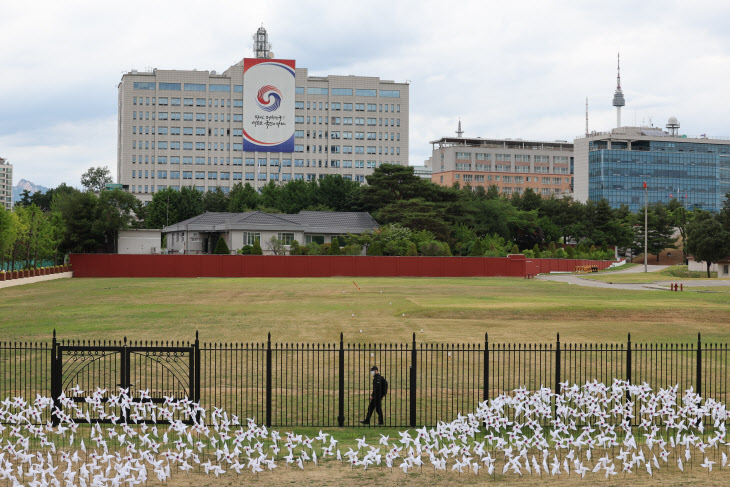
[
  {"x": 187, "y": 102},
  {"x": 480, "y": 178},
  {"x": 346, "y": 149},
  {"x": 187, "y": 116},
  {"x": 262, "y": 162},
  {"x": 483, "y": 156},
  {"x": 348, "y": 92},
  {"x": 348, "y": 135},
  {"x": 360, "y": 178},
  {"x": 372, "y": 122},
  {"x": 347, "y": 107},
  {"x": 215, "y": 175},
  {"x": 213, "y": 88},
  {"x": 226, "y": 88},
  {"x": 459, "y": 166}
]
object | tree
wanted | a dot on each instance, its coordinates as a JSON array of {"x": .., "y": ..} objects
[
  {"x": 390, "y": 183},
  {"x": 115, "y": 211},
  {"x": 660, "y": 231},
  {"x": 338, "y": 193},
  {"x": 215, "y": 200},
  {"x": 95, "y": 179},
  {"x": 79, "y": 213},
  {"x": 243, "y": 198},
  {"x": 221, "y": 248},
  {"x": 256, "y": 248},
  {"x": 276, "y": 246},
  {"x": 162, "y": 211},
  {"x": 707, "y": 240},
  {"x": 416, "y": 214},
  {"x": 296, "y": 196}
]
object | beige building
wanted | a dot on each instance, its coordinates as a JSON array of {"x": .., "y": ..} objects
[
  {"x": 185, "y": 128},
  {"x": 6, "y": 184},
  {"x": 512, "y": 165}
]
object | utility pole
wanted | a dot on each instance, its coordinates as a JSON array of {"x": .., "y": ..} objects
[{"x": 646, "y": 225}]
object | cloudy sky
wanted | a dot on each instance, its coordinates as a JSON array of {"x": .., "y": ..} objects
[{"x": 507, "y": 69}]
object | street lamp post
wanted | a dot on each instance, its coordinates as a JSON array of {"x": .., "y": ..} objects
[{"x": 646, "y": 226}]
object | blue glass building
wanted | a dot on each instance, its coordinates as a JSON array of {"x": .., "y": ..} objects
[{"x": 615, "y": 165}]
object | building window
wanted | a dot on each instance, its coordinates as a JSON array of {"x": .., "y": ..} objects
[
  {"x": 314, "y": 238},
  {"x": 250, "y": 238},
  {"x": 286, "y": 238}
]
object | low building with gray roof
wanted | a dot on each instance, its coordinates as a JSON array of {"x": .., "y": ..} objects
[{"x": 199, "y": 235}]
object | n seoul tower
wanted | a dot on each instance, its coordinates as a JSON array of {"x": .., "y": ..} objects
[{"x": 618, "y": 96}]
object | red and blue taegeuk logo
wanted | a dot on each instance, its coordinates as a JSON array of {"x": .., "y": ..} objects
[{"x": 269, "y": 98}]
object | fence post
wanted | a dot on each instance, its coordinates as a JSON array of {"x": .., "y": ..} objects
[
  {"x": 413, "y": 383},
  {"x": 486, "y": 366},
  {"x": 341, "y": 385},
  {"x": 557, "y": 366},
  {"x": 268, "y": 382},
  {"x": 196, "y": 373},
  {"x": 628, "y": 361},
  {"x": 699, "y": 364},
  {"x": 55, "y": 378}
]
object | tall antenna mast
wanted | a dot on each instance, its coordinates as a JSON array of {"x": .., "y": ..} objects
[
  {"x": 586, "y": 116},
  {"x": 618, "y": 96},
  {"x": 261, "y": 46},
  {"x": 459, "y": 132}
]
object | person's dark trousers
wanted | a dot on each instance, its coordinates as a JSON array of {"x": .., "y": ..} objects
[{"x": 375, "y": 405}]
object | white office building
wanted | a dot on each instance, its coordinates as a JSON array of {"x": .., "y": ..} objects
[{"x": 185, "y": 128}]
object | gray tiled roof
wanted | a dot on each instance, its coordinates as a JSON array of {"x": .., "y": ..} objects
[{"x": 307, "y": 221}]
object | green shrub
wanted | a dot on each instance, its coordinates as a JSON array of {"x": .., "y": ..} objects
[
  {"x": 221, "y": 248},
  {"x": 314, "y": 249},
  {"x": 536, "y": 251},
  {"x": 295, "y": 248},
  {"x": 256, "y": 248},
  {"x": 412, "y": 250},
  {"x": 570, "y": 253},
  {"x": 335, "y": 247},
  {"x": 515, "y": 249},
  {"x": 375, "y": 249},
  {"x": 352, "y": 249},
  {"x": 561, "y": 254}
]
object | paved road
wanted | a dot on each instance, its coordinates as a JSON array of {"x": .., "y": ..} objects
[
  {"x": 31, "y": 280},
  {"x": 648, "y": 286}
]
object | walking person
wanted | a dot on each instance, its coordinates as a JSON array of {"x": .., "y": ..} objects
[{"x": 380, "y": 389}]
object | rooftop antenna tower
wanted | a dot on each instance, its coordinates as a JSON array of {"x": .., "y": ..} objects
[
  {"x": 261, "y": 46},
  {"x": 459, "y": 132},
  {"x": 586, "y": 116},
  {"x": 618, "y": 96}
]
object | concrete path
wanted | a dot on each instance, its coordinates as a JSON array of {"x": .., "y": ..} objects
[
  {"x": 647, "y": 286},
  {"x": 575, "y": 279},
  {"x": 31, "y": 280},
  {"x": 640, "y": 268}
]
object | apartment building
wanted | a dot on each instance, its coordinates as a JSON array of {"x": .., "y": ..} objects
[
  {"x": 6, "y": 184},
  {"x": 512, "y": 165},
  {"x": 185, "y": 128}
]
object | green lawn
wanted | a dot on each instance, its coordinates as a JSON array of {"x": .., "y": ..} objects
[{"x": 385, "y": 309}]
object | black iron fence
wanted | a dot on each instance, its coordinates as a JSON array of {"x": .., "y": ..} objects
[{"x": 328, "y": 384}]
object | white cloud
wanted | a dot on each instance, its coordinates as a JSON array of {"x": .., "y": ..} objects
[{"x": 519, "y": 69}]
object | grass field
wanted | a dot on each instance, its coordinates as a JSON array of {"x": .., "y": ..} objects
[{"x": 385, "y": 309}]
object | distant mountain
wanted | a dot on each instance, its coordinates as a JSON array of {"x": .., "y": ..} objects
[{"x": 23, "y": 185}]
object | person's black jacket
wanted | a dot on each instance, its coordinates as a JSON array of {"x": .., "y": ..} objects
[{"x": 377, "y": 387}]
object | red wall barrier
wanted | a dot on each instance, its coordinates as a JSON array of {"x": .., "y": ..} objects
[{"x": 116, "y": 265}]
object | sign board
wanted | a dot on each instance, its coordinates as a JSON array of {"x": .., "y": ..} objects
[
  {"x": 112, "y": 186},
  {"x": 268, "y": 105}
]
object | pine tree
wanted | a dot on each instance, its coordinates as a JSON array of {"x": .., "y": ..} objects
[
  {"x": 221, "y": 248},
  {"x": 256, "y": 248}
]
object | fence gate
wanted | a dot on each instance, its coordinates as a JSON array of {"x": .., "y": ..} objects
[{"x": 162, "y": 370}]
